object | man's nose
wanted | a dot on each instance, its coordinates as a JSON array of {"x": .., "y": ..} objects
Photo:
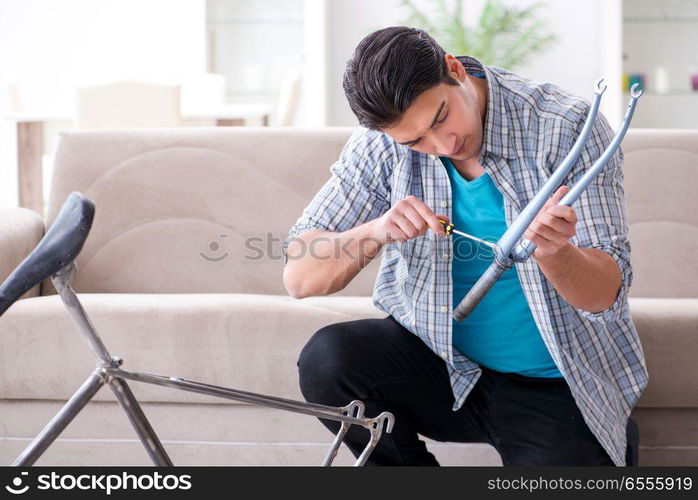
[{"x": 444, "y": 145}]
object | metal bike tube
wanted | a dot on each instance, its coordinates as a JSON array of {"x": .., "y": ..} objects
[
  {"x": 355, "y": 408},
  {"x": 376, "y": 426},
  {"x": 479, "y": 289},
  {"x": 327, "y": 412},
  {"x": 139, "y": 421},
  {"x": 505, "y": 255},
  {"x": 530, "y": 211},
  {"x": 124, "y": 396},
  {"x": 527, "y": 247},
  {"x": 61, "y": 420},
  {"x": 61, "y": 280}
]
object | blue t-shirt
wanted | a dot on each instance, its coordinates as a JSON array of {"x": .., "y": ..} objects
[{"x": 500, "y": 332}]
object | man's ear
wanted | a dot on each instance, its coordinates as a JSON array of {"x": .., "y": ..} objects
[{"x": 455, "y": 67}]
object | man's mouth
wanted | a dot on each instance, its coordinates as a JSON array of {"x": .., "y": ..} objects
[{"x": 460, "y": 149}]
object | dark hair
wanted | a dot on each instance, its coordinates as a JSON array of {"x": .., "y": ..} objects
[{"x": 388, "y": 70}]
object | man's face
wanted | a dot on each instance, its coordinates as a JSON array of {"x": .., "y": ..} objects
[{"x": 445, "y": 120}]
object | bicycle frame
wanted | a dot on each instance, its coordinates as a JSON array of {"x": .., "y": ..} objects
[
  {"x": 506, "y": 251},
  {"x": 108, "y": 372}
]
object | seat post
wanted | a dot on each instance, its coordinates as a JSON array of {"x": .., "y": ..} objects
[{"x": 62, "y": 280}]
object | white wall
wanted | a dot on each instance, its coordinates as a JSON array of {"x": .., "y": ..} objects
[
  {"x": 313, "y": 102},
  {"x": 588, "y": 46},
  {"x": 48, "y": 46},
  {"x": 660, "y": 39},
  {"x": 348, "y": 22}
]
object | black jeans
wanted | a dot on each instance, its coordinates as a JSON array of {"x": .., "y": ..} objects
[{"x": 529, "y": 420}]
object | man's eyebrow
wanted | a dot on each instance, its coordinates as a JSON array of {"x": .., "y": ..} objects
[{"x": 436, "y": 117}]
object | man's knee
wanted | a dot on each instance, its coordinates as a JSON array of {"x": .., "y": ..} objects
[{"x": 325, "y": 360}]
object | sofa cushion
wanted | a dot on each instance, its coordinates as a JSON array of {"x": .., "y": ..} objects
[
  {"x": 248, "y": 342},
  {"x": 193, "y": 210},
  {"x": 21, "y": 230},
  {"x": 251, "y": 342},
  {"x": 659, "y": 178},
  {"x": 668, "y": 330}
]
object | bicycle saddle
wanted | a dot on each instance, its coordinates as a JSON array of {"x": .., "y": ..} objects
[{"x": 58, "y": 248}]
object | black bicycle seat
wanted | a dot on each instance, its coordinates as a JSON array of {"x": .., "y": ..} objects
[{"x": 58, "y": 248}]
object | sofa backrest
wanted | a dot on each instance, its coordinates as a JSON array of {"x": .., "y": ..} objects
[
  {"x": 193, "y": 210},
  {"x": 204, "y": 210},
  {"x": 661, "y": 192}
]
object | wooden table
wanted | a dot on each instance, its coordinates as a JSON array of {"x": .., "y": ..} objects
[
  {"x": 232, "y": 114},
  {"x": 30, "y": 141}
]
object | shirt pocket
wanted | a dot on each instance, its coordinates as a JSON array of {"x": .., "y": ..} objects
[
  {"x": 415, "y": 265},
  {"x": 415, "y": 250}
]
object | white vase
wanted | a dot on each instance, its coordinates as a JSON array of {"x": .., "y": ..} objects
[{"x": 661, "y": 80}]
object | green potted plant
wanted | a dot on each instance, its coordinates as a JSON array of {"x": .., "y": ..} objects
[{"x": 504, "y": 36}]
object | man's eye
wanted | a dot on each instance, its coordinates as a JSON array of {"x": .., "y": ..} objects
[{"x": 439, "y": 121}]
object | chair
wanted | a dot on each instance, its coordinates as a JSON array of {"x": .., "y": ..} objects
[
  {"x": 128, "y": 104},
  {"x": 288, "y": 99},
  {"x": 203, "y": 91}
]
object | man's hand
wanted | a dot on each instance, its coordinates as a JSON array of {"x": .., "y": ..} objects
[
  {"x": 553, "y": 227},
  {"x": 407, "y": 219}
]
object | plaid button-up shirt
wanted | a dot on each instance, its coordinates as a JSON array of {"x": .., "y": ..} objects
[{"x": 529, "y": 129}]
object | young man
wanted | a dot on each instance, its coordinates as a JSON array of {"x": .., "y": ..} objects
[{"x": 548, "y": 366}]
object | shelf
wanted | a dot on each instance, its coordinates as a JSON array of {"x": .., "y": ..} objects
[
  {"x": 256, "y": 92},
  {"x": 247, "y": 95},
  {"x": 669, "y": 93},
  {"x": 662, "y": 20},
  {"x": 229, "y": 21}
]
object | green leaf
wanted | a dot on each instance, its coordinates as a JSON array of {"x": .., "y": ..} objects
[{"x": 504, "y": 36}]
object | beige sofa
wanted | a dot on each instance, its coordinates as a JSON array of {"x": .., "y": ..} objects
[{"x": 182, "y": 275}]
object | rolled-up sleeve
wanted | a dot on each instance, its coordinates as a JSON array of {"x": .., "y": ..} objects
[
  {"x": 357, "y": 191},
  {"x": 601, "y": 212}
]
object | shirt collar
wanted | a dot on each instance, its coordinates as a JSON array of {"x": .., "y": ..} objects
[{"x": 495, "y": 136}]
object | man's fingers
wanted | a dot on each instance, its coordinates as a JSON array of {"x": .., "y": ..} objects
[
  {"x": 415, "y": 217},
  {"x": 536, "y": 237},
  {"x": 554, "y": 199},
  {"x": 394, "y": 232},
  {"x": 430, "y": 217},
  {"x": 564, "y": 212},
  {"x": 406, "y": 227},
  {"x": 558, "y": 224},
  {"x": 548, "y": 232},
  {"x": 444, "y": 218},
  {"x": 557, "y": 195}
]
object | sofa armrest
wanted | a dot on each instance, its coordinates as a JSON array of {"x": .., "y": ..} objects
[
  {"x": 668, "y": 331},
  {"x": 21, "y": 230}
]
